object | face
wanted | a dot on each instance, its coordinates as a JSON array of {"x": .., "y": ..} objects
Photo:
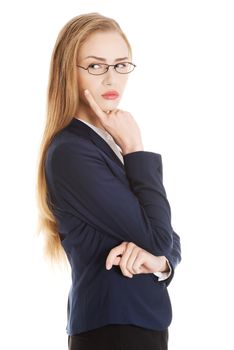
[{"x": 112, "y": 48}]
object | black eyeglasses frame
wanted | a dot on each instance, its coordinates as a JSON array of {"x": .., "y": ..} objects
[{"x": 108, "y": 66}]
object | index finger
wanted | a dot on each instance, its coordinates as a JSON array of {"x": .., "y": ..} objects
[
  {"x": 120, "y": 249},
  {"x": 93, "y": 104}
]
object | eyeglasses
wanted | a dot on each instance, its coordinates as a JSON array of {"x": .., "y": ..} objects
[{"x": 101, "y": 68}]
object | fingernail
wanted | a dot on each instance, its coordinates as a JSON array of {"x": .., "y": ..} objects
[
  {"x": 108, "y": 267},
  {"x": 86, "y": 92}
]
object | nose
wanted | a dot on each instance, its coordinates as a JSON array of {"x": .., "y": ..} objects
[{"x": 110, "y": 76}]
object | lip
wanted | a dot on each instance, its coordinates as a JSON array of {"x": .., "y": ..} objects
[{"x": 110, "y": 95}]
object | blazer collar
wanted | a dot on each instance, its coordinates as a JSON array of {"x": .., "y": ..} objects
[{"x": 82, "y": 129}]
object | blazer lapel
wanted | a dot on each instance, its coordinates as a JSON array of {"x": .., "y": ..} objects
[{"x": 83, "y": 129}]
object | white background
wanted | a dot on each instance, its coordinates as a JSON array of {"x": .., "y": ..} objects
[{"x": 181, "y": 94}]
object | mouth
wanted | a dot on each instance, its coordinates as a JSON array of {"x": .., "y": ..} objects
[{"x": 111, "y": 95}]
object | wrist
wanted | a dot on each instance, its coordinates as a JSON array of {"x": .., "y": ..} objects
[
  {"x": 163, "y": 264},
  {"x": 132, "y": 149}
]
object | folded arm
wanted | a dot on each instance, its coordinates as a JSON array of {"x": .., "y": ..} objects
[{"x": 138, "y": 211}]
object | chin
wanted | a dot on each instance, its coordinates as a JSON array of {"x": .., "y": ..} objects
[{"x": 109, "y": 106}]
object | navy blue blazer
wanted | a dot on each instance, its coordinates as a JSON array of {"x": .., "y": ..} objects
[{"x": 99, "y": 202}]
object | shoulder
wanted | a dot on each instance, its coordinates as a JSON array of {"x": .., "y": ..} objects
[{"x": 67, "y": 146}]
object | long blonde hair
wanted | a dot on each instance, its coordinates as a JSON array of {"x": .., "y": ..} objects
[{"x": 62, "y": 103}]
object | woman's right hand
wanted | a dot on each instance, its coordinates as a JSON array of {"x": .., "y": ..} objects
[{"x": 120, "y": 124}]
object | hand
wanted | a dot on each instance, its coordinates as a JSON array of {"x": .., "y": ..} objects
[
  {"x": 120, "y": 124},
  {"x": 134, "y": 260}
]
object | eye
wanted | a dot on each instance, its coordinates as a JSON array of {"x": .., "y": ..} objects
[
  {"x": 95, "y": 66},
  {"x": 122, "y": 65}
]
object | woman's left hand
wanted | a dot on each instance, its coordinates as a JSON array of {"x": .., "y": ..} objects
[{"x": 134, "y": 260}]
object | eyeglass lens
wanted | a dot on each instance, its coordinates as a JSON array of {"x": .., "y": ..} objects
[{"x": 100, "y": 68}]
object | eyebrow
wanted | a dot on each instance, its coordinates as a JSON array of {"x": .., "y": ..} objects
[{"x": 104, "y": 60}]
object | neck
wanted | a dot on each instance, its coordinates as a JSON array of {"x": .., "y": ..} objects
[{"x": 85, "y": 113}]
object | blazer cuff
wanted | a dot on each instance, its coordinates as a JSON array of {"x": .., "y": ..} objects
[{"x": 164, "y": 275}]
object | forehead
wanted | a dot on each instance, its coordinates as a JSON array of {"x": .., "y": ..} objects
[{"x": 109, "y": 45}]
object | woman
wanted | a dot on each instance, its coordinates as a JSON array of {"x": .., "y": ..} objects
[{"x": 102, "y": 202}]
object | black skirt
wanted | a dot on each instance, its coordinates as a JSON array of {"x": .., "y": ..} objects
[{"x": 119, "y": 337}]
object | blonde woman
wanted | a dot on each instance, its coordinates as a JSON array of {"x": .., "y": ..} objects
[{"x": 102, "y": 203}]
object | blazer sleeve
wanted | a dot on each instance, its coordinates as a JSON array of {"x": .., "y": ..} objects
[
  {"x": 138, "y": 212},
  {"x": 174, "y": 257}
]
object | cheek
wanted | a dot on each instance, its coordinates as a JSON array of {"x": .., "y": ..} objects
[
  {"x": 87, "y": 82},
  {"x": 122, "y": 82},
  {"x": 82, "y": 81}
]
